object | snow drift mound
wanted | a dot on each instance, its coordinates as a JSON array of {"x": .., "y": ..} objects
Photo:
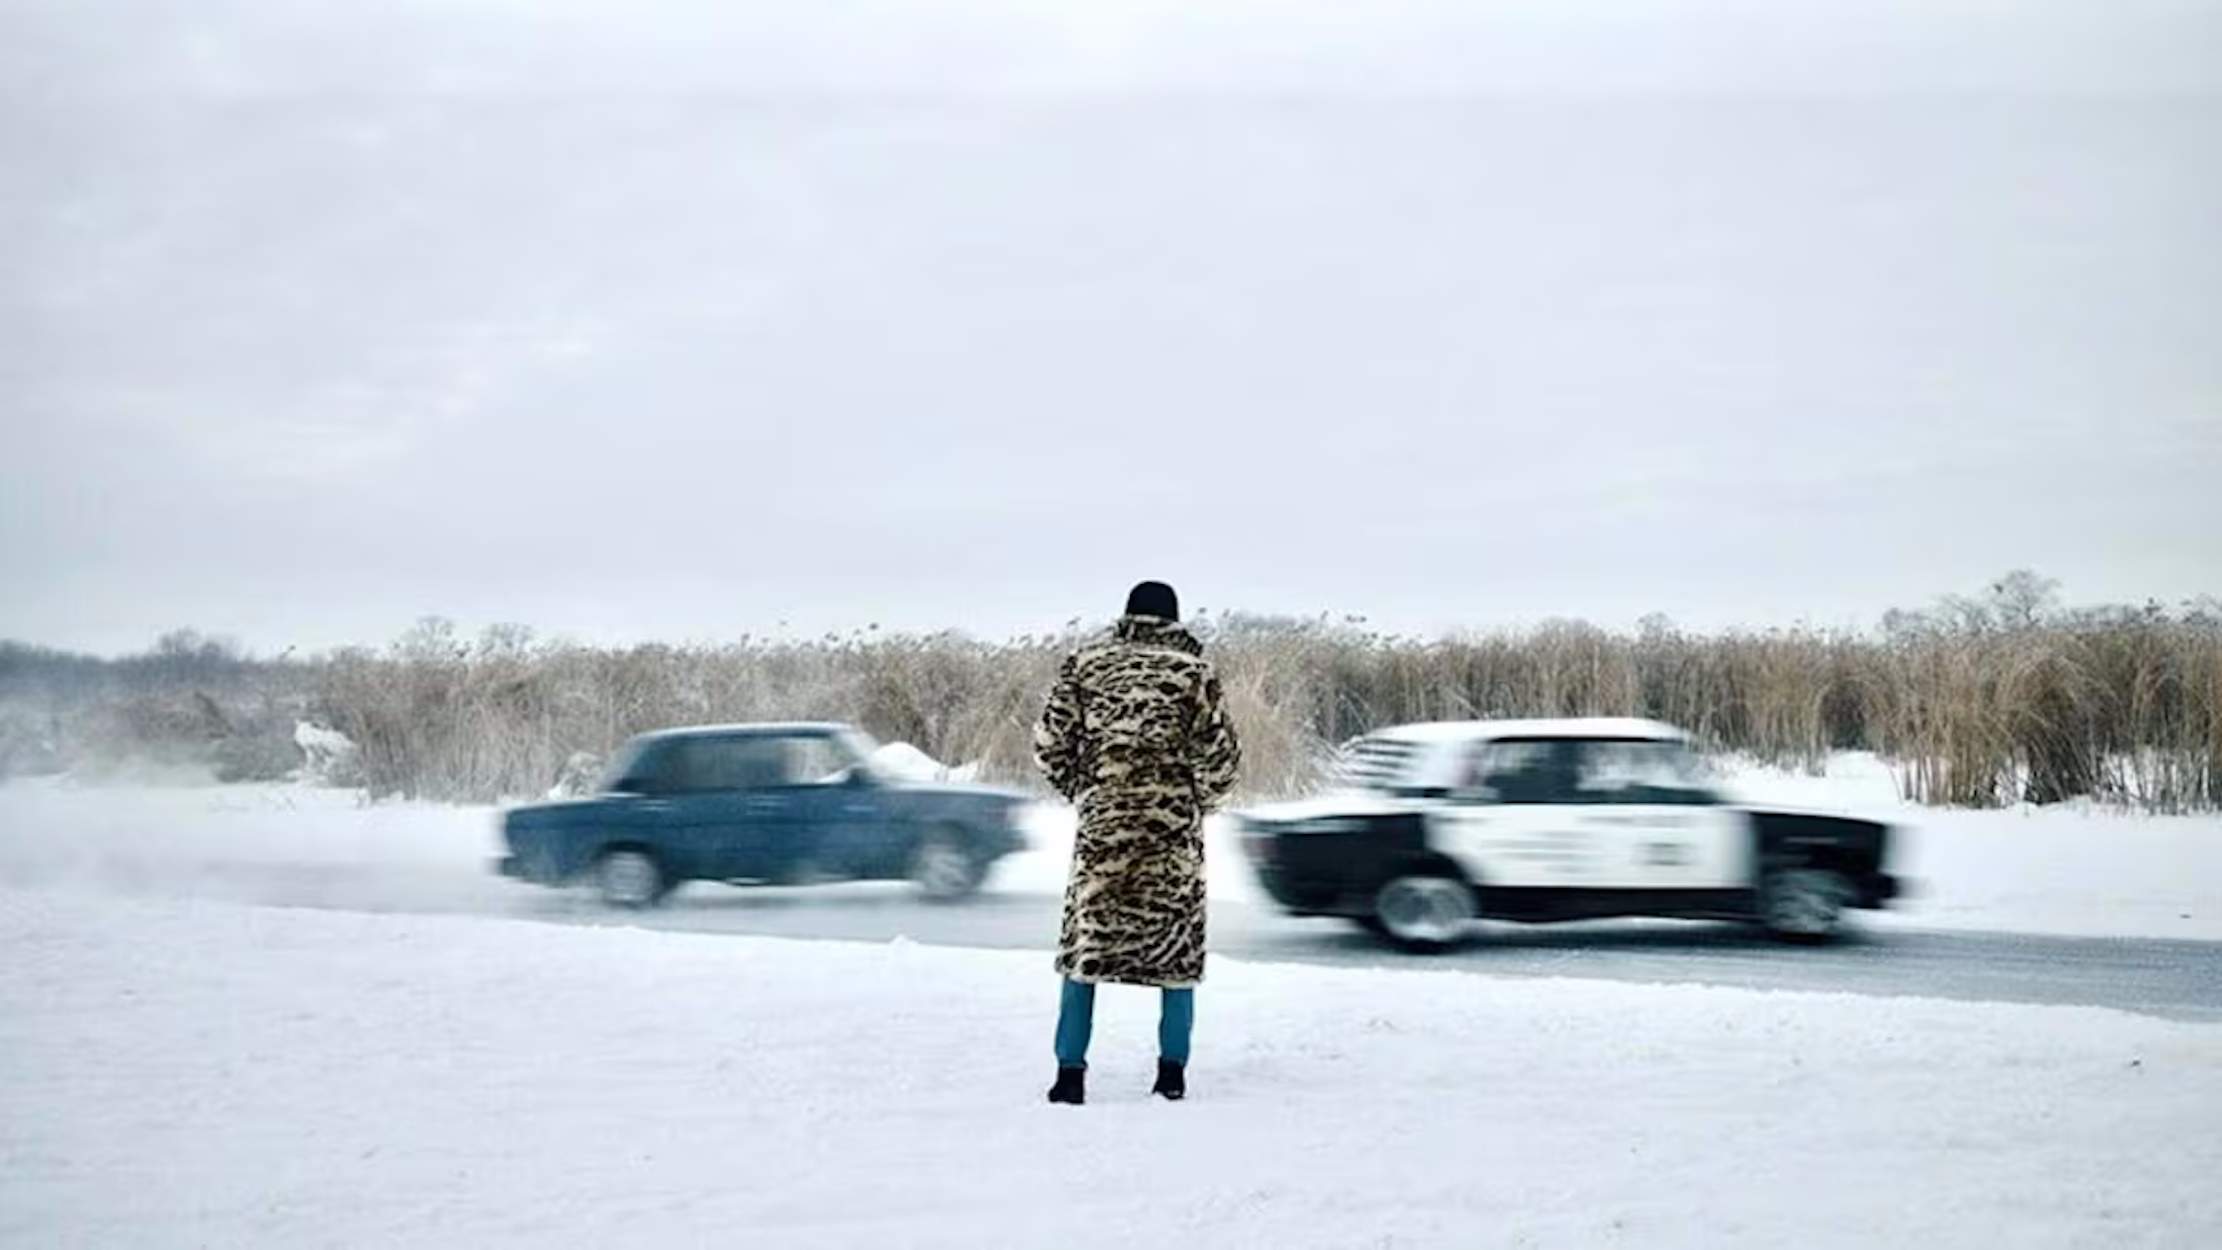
[{"x": 904, "y": 761}]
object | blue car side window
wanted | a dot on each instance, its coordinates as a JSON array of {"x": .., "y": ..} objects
[{"x": 734, "y": 764}]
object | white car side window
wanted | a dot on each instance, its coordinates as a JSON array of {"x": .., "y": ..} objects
[
  {"x": 1516, "y": 772},
  {"x": 1637, "y": 772}
]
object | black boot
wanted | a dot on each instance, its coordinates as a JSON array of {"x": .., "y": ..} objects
[
  {"x": 1071, "y": 1086},
  {"x": 1172, "y": 1081}
]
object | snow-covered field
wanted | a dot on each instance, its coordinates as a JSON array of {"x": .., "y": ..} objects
[
  {"x": 2071, "y": 869},
  {"x": 182, "y": 1073},
  {"x": 180, "y": 1066}
]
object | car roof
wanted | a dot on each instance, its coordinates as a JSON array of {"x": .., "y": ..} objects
[
  {"x": 1613, "y": 727},
  {"x": 755, "y": 728}
]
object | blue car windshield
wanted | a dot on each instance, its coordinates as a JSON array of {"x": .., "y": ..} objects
[{"x": 621, "y": 765}]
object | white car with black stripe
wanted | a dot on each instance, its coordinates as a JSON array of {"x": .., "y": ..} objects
[{"x": 1435, "y": 825}]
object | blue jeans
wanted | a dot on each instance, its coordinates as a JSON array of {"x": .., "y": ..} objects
[{"x": 1076, "y": 1022}]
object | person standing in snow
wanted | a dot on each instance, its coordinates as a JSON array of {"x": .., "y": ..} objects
[{"x": 1136, "y": 734}]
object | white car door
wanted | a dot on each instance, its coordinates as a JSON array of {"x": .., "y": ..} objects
[
  {"x": 1509, "y": 825},
  {"x": 1653, "y": 823}
]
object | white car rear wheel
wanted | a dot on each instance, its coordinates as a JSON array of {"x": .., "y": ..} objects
[
  {"x": 1803, "y": 904},
  {"x": 1424, "y": 913}
]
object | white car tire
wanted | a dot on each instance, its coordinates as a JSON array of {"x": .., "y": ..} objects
[
  {"x": 1424, "y": 912},
  {"x": 1803, "y": 904}
]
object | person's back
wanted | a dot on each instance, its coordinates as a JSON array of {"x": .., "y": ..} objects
[
  {"x": 1134, "y": 732},
  {"x": 1144, "y": 694}
]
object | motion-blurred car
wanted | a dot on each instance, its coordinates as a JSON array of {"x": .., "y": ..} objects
[
  {"x": 1435, "y": 825},
  {"x": 760, "y": 804}
]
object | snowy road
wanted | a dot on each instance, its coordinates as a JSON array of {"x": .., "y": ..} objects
[
  {"x": 2180, "y": 980},
  {"x": 2065, "y": 908},
  {"x": 2177, "y": 980}
]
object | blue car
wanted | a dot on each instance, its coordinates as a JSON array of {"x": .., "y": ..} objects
[{"x": 769, "y": 804}]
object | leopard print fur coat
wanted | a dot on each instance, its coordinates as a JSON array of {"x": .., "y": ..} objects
[{"x": 1136, "y": 733}]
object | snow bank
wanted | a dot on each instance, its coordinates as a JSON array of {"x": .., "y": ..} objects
[
  {"x": 1856, "y": 783},
  {"x": 577, "y": 779},
  {"x": 181, "y": 1074},
  {"x": 328, "y": 757},
  {"x": 901, "y": 759}
]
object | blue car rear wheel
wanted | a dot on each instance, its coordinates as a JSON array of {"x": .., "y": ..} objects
[{"x": 630, "y": 878}]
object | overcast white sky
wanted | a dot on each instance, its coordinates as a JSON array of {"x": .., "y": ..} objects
[{"x": 683, "y": 320}]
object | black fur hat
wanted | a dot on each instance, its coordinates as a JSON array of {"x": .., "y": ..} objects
[{"x": 1153, "y": 599}]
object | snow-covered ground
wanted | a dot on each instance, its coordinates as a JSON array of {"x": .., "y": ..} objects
[
  {"x": 177, "y": 1068},
  {"x": 180, "y": 1073},
  {"x": 57, "y": 831}
]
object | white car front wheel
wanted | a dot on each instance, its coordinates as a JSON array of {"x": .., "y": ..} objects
[{"x": 1424, "y": 913}]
